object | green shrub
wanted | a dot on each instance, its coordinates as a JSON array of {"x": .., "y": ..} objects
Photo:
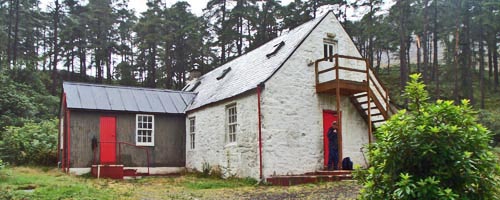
[
  {"x": 33, "y": 143},
  {"x": 23, "y": 98},
  {"x": 431, "y": 151}
]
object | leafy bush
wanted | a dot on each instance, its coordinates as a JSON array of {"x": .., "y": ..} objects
[
  {"x": 431, "y": 151},
  {"x": 21, "y": 102},
  {"x": 33, "y": 143}
]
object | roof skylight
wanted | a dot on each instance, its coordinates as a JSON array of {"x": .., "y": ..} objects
[
  {"x": 224, "y": 72},
  {"x": 277, "y": 47}
]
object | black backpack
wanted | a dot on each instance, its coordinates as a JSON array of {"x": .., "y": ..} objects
[{"x": 347, "y": 163}]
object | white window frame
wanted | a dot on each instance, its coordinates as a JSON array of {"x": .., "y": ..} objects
[
  {"x": 331, "y": 48},
  {"x": 192, "y": 132},
  {"x": 137, "y": 129},
  {"x": 232, "y": 122}
]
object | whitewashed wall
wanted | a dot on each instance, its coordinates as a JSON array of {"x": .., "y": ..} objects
[
  {"x": 292, "y": 119},
  {"x": 239, "y": 158},
  {"x": 292, "y": 111}
]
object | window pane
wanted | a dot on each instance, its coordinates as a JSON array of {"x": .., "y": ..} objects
[
  {"x": 325, "y": 52},
  {"x": 331, "y": 52}
]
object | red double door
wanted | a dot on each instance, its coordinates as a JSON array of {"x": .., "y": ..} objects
[
  {"x": 328, "y": 117},
  {"x": 108, "y": 140}
]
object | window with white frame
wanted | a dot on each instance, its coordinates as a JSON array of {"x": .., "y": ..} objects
[
  {"x": 232, "y": 122},
  {"x": 329, "y": 48},
  {"x": 192, "y": 130},
  {"x": 144, "y": 127}
]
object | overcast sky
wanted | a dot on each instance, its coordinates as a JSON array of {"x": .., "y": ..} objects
[{"x": 196, "y": 5}]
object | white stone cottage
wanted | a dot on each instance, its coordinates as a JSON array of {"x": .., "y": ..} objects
[{"x": 266, "y": 112}]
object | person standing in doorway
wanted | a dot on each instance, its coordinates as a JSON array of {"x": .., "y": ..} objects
[{"x": 333, "y": 146}]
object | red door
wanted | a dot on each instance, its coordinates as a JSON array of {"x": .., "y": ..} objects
[
  {"x": 328, "y": 117},
  {"x": 108, "y": 140}
]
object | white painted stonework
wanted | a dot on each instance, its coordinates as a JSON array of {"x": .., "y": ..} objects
[
  {"x": 212, "y": 145},
  {"x": 292, "y": 118}
]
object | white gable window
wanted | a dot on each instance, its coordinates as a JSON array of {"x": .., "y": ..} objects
[
  {"x": 192, "y": 132},
  {"x": 144, "y": 130},
  {"x": 232, "y": 122},
  {"x": 329, "y": 47}
]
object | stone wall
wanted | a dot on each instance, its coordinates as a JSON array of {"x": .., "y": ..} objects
[{"x": 239, "y": 158}]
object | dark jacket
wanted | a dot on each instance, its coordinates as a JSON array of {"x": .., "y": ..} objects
[{"x": 333, "y": 140}]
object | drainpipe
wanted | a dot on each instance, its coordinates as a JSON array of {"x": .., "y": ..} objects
[{"x": 259, "y": 89}]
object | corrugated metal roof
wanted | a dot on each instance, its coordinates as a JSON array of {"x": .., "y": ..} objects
[
  {"x": 250, "y": 69},
  {"x": 120, "y": 98}
]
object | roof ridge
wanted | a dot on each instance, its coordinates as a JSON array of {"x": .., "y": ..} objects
[{"x": 126, "y": 87}]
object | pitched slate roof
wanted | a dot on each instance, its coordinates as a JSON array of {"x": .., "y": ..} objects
[
  {"x": 120, "y": 98},
  {"x": 250, "y": 69}
]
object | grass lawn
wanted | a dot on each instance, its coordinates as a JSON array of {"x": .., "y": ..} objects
[{"x": 50, "y": 183}]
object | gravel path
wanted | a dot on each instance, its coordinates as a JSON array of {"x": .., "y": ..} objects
[{"x": 335, "y": 190}]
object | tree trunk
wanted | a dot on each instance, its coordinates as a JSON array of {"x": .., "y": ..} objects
[
  {"x": 82, "y": 57},
  {"x": 408, "y": 60},
  {"x": 455, "y": 70},
  {"x": 152, "y": 68},
  {"x": 379, "y": 59},
  {"x": 16, "y": 34},
  {"x": 490, "y": 61},
  {"x": 108, "y": 65},
  {"x": 465, "y": 58},
  {"x": 435, "y": 63},
  {"x": 425, "y": 64},
  {"x": 98, "y": 63},
  {"x": 9, "y": 33},
  {"x": 388, "y": 61},
  {"x": 56, "y": 46},
  {"x": 222, "y": 39},
  {"x": 495, "y": 65},
  {"x": 419, "y": 54},
  {"x": 240, "y": 35},
  {"x": 481, "y": 69},
  {"x": 402, "y": 43}
]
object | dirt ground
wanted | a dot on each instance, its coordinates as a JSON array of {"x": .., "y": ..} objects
[{"x": 157, "y": 188}]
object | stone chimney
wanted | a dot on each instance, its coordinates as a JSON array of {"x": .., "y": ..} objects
[{"x": 195, "y": 73}]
